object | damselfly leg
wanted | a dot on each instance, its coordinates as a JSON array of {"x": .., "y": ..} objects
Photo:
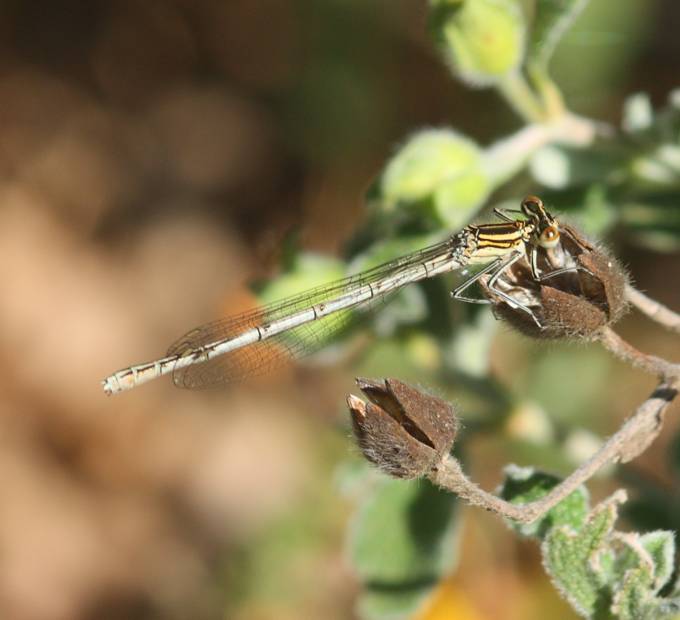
[
  {"x": 557, "y": 271},
  {"x": 495, "y": 270},
  {"x": 503, "y": 213}
]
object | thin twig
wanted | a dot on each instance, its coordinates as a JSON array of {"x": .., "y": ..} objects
[
  {"x": 653, "y": 309},
  {"x": 628, "y": 353},
  {"x": 628, "y": 442},
  {"x": 633, "y": 438}
]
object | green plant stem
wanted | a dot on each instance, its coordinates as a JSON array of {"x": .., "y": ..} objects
[
  {"x": 519, "y": 95},
  {"x": 508, "y": 156},
  {"x": 553, "y": 102}
]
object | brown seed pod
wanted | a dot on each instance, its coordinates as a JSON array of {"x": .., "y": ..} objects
[
  {"x": 576, "y": 304},
  {"x": 402, "y": 430}
]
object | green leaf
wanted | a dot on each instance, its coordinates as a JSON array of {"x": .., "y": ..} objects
[
  {"x": 634, "y": 600},
  {"x": 469, "y": 350},
  {"x": 552, "y": 19},
  {"x": 389, "y": 249},
  {"x": 653, "y": 221},
  {"x": 402, "y": 542},
  {"x": 308, "y": 272},
  {"x": 661, "y": 547},
  {"x": 391, "y": 603},
  {"x": 578, "y": 560},
  {"x": 403, "y": 535},
  {"x": 524, "y": 484},
  {"x": 560, "y": 167}
]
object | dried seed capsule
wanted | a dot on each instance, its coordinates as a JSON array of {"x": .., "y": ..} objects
[
  {"x": 576, "y": 304},
  {"x": 401, "y": 430}
]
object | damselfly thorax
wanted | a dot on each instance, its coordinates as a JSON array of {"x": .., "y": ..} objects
[{"x": 237, "y": 347}]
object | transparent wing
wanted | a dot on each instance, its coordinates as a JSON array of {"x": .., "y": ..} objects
[{"x": 277, "y": 350}]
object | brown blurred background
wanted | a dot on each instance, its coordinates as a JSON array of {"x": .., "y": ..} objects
[{"x": 154, "y": 156}]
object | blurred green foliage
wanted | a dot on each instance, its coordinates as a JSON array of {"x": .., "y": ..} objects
[
  {"x": 601, "y": 572},
  {"x": 400, "y": 543},
  {"x": 622, "y": 178}
]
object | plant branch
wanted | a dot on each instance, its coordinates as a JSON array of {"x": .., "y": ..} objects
[
  {"x": 633, "y": 438},
  {"x": 628, "y": 353},
  {"x": 653, "y": 309},
  {"x": 519, "y": 95},
  {"x": 636, "y": 434},
  {"x": 508, "y": 156}
]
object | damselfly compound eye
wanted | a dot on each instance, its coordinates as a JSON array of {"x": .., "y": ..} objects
[
  {"x": 531, "y": 200},
  {"x": 550, "y": 237},
  {"x": 532, "y": 205}
]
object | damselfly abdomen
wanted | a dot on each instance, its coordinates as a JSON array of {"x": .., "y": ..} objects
[{"x": 256, "y": 341}]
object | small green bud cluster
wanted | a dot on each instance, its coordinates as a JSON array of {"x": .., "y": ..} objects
[
  {"x": 482, "y": 40},
  {"x": 439, "y": 171}
]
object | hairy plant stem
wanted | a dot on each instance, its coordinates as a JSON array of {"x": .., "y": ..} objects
[
  {"x": 628, "y": 353},
  {"x": 633, "y": 437},
  {"x": 653, "y": 309}
]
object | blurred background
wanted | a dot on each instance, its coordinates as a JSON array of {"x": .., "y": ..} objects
[{"x": 155, "y": 159}]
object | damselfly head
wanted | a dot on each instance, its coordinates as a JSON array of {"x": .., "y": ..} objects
[
  {"x": 582, "y": 290},
  {"x": 547, "y": 229}
]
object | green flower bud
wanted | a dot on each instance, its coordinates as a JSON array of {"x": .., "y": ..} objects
[
  {"x": 483, "y": 40},
  {"x": 438, "y": 169}
]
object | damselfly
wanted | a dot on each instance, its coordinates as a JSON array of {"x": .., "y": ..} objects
[{"x": 246, "y": 344}]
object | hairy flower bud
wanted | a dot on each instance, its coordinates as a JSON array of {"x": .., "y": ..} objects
[
  {"x": 437, "y": 169},
  {"x": 483, "y": 40},
  {"x": 401, "y": 430},
  {"x": 576, "y": 304}
]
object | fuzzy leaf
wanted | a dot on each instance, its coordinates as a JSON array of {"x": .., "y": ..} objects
[
  {"x": 552, "y": 19},
  {"x": 661, "y": 547},
  {"x": 635, "y": 599},
  {"x": 524, "y": 484},
  {"x": 577, "y": 560}
]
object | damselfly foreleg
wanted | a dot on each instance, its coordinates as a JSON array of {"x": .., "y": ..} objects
[
  {"x": 496, "y": 269},
  {"x": 456, "y": 293},
  {"x": 540, "y": 278},
  {"x": 503, "y": 214}
]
